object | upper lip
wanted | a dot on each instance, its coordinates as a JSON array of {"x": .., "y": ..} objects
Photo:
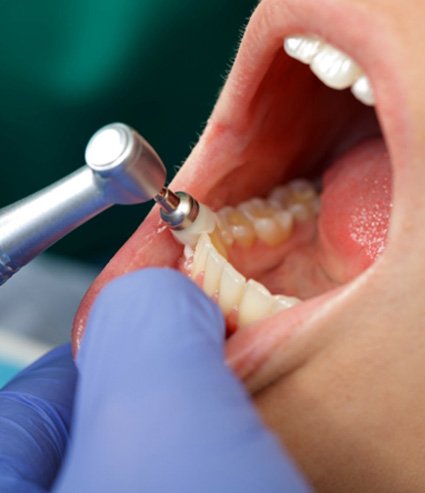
[{"x": 343, "y": 25}]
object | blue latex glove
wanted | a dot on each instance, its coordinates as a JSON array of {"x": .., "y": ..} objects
[{"x": 156, "y": 408}]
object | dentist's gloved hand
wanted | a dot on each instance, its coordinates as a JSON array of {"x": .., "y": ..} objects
[{"x": 156, "y": 408}]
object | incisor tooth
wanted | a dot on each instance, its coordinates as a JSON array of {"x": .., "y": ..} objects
[
  {"x": 302, "y": 48},
  {"x": 334, "y": 68},
  {"x": 231, "y": 287},
  {"x": 213, "y": 268},
  {"x": 256, "y": 303}
]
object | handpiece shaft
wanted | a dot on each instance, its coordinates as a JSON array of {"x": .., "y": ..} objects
[{"x": 33, "y": 224}]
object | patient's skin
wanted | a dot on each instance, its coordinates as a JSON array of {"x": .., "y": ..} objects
[{"x": 342, "y": 379}]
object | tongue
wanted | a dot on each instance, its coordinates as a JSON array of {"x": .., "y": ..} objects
[{"x": 355, "y": 211}]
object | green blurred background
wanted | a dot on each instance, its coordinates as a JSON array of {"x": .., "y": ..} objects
[{"x": 67, "y": 68}]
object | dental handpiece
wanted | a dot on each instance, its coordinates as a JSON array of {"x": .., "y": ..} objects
[{"x": 121, "y": 168}]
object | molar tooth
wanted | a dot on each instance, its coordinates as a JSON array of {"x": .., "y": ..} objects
[
  {"x": 281, "y": 302},
  {"x": 302, "y": 190},
  {"x": 334, "y": 68},
  {"x": 255, "y": 208},
  {"x": 363, "y": 91},
  {"x": 213, "y": 268},
  {"x": 286, "y": 221},
  {"x": 279, "y": 197},
  {"x": 256, "y": 303},
  {"x": 269, "y": 231},
  {"x": 231, "y": 288},
  {"x": 302, "y": 48},
  {"x": 299, "y": 211}
]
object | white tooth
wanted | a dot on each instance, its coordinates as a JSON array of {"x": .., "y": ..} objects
[
  {"x": 334, "y": 68},
  {"x": 281, "y": 302},
  {"x": 231, "y": 287},
  {"x": 213, "y": 269},
  {"x": 200, "y": 256},
  {"x": 302, "y": 48},
  {"x": 363, "y": 91},
  {"x": 256, "y": 303}
]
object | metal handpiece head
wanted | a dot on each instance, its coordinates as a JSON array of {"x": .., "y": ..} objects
[{"x": 130, "y": 169}]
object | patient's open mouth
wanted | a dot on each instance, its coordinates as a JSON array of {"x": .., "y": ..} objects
[{"x": 298, "y": 172}]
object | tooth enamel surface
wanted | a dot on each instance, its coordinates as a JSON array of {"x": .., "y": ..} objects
[
  {"x": 286, "y": 221},
  {"x": 269, "y": 231},
  {"x": 300, "y": 212},
  {"x": 280, "y": 197},
  {"x": 231, "y": 288},
  {"x": 302, "y": 190},
  {"x": 334, "y": 68},
  {"x": 256, "y": 304},
  {"x": 269, "y": 220},
  {"x": 281, "y": 302},
  {"x": 213, "y": 268},
  {"x": 240, "y": 226},
  {"x": 250, "y": 300},
  {"x": 302, "y": 48},
  {"x": 200, "y": 256},
  {"x": 362, "y": 90}
]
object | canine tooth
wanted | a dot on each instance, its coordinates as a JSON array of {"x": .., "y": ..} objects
[
  {"x": 200, "y": 256},
  {"x": 281, "y": 302},
  {"x": 269, "y": 231},
  {"x": 213, "y": 269},
  {"x": 256, "y": 303},
  {"x": 334, "y": 68},
  {"x": 230, "y": 290},
  {"x": 362, "y": 90},
  {"x": 302, "y": 48}
]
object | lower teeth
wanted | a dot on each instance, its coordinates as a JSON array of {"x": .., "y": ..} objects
[{"x": 269, "y": 221}]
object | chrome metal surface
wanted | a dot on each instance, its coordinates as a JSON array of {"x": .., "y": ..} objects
[
  {"x": 122, "y": 168},
  {"x": 183, "y": 215}
]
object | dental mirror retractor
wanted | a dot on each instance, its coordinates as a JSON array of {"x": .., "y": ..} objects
[{"x": 122, "y": 168}]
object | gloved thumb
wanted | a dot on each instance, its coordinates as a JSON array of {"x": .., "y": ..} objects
[{"x": 157, "y": 408}]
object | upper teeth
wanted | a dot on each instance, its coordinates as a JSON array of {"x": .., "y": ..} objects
[{"x": 333, "y": 67}]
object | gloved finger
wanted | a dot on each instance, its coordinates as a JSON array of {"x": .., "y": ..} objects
[
  {"x": 157, "y": 409},
  {"x": 35, "y": 414}
]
